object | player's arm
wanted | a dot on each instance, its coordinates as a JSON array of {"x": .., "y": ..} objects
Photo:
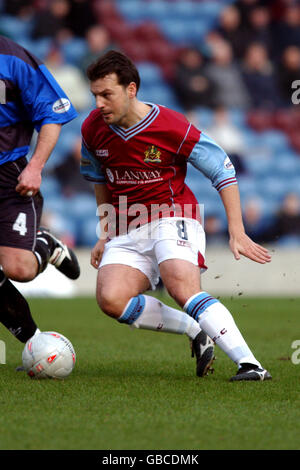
[
  {"x": 31, "y": 177},
  {"x": 239, "y": 242},
  {"x": 47, "y": 107},
  {"x": 103, "y": 199},
  {"x": 91, "y": 170},
  {"x": 212, "y": 161}
]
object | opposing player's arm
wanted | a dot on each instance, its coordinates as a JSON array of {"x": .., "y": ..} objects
[
  {"x": 31, "y": 177},
  {"x": 47, "y": 107},
  {"x": 213, "y": 162}
]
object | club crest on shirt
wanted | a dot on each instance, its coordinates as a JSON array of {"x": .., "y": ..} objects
[{"x": 152, "y": 154}]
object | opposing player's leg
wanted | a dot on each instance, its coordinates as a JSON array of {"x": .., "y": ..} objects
[
  {"x": 52, "y": 250},
  {"x": 18, "y": 218},
  {"x": 22, "y": 255},
  {"x": 19, "y": 221},
  {"x": 212, "y": 316},
  {"x": 22, "y": 264},
  {"x": 120, "y": 295},
  {"x": 15, "y": 313}
]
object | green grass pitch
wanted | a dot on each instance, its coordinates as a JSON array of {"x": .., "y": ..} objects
[{"x": 136, "y": 389}]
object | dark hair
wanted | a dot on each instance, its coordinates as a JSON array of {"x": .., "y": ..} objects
[{"x": 114, "y": 62}]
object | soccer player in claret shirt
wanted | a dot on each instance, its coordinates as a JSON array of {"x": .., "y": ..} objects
[
  {"x": 136, "y": 153},
  {"x": 30, "y": 99}
]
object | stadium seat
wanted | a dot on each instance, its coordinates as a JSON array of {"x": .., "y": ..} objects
[
  {"x": 56, "y": 204},
  {"x": 50, "y": 187},
  {"x": 210, "y": 8},
  {"x": 106, "y": 9},
  {"x": 148, "y": 31},
  {"x": 287, "y": 164},
  {"x": 136, "y": 11},
  {"x": 293, "y": 183},
  {"x": 15, "y": 28},
  {"x": 237, "y": 117},
  {"x": 289, "y": 241},
  {"x": 205, "y": 117},
  {"x": 39, "y": 48},
  {"x": 138, "y": 52},
  {"x": 294, "y": 139},
  {"x": 184, "y": 9},
  {"x": 260, "y": 120},
  {"x": 159, "y": 93},
  {"x": 74, "y": 50},
  {"x": 81, "y": 205},
  {"x": 64, "y": 145},
  {"x": 155, "y": 10},
  {"x": 87, "y": 231},
  {"x": 248, "y": 186},
  {"x": 285, "y": 120},
  {"x": 274, "y": 187},
  {"x": 181, "y": 32},
  {"x": 150, "y": 73},
  {"x": 259, "y": 166},
  {"x": 119, "y": 30},
  {"x": 275, "y": 140},
  {"x": 252, "y": 140}
]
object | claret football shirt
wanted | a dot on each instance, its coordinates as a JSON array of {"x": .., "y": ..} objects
[{"x": 146, "y": 164}]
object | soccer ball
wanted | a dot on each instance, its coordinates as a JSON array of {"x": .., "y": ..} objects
[{"x": 48, "y": 355}]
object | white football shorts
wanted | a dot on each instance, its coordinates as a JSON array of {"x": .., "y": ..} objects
[{"x": 146, "y": 247}]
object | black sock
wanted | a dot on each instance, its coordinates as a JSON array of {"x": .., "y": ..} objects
[
  {"x": 14, "y": 311},
  {"x": 43, "y": 249}
]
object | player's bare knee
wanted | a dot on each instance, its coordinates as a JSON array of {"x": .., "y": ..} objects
[
  {"x": 181, "y": 292},
  {"x": 21, "y": 272},
  {"x": 20, "y": 269},
  {"x": 177, "y": 294},
  {"x": 111, "y": 304}
]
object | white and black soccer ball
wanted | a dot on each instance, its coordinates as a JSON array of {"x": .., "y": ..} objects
[{"x": 48, "y": 355}]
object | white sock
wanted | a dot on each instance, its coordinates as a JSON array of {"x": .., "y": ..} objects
[
  {"x": 160, "y": 317},
  {"x": 217, "y": 322}
]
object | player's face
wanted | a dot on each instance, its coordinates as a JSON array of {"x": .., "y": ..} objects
[{"x": 112, "y": 99}]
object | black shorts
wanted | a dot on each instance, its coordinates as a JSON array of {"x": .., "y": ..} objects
[{"x": 19, "y": 215}]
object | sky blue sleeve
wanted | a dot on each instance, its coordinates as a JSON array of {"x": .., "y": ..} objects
[
  {"x": 90, "y": 168},
  {"x": 208, "y": 157}
]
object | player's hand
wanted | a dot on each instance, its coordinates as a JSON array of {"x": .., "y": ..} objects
[
  {"x": 29, "y": 181},
  {"x": 243, "y": 245},
  {"x": 97, "y": 253}
]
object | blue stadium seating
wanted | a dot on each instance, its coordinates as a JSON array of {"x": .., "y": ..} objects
[
  {"x": 137, "y": 10},
  {"x": 39, "y": 48},
  {"x": 50, "y": 187},
  {"x": 87, "y": 233},
  {"x": 150, "y": 73},
  {"x": 183, "y": 33},
  {"x": 15, "y": 28},
  {"x": 159, "y": 93},
  {"x": 56, "y": 203},
  {"x": 74, "y": 50}
]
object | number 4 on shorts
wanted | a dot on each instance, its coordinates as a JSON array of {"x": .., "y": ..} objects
[{"x": 20, "y": 224}]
